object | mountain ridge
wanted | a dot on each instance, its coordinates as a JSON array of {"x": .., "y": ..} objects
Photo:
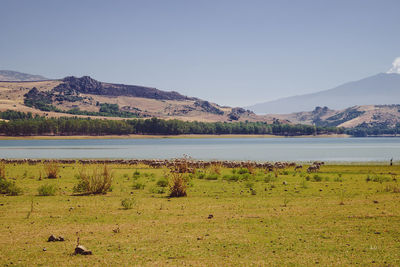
[
  {"x": 10, "y": 75},
  {"x": 382, "y": 88}
]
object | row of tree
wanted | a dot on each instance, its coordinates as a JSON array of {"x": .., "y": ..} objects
[{"x": 20, "y": 123}]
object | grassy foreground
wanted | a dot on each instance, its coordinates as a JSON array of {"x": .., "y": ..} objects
[{"x": 343, "y": 215}]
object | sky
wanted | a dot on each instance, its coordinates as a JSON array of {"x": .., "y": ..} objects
[{"x": 234, "y": 53}]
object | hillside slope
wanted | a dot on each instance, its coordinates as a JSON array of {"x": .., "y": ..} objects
[
  {"x": 85, "y": 96},
  {"x": 9, "y": 75},
  {"x": 383, "y": 88}
]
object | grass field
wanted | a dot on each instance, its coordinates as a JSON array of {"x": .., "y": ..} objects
[{"x": 343, "y": 215}]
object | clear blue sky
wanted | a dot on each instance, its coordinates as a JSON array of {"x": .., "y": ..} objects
[{"x": 230, "y": 52}]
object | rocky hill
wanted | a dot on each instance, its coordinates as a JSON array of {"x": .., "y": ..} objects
[
  {"x": 9, "y": 75},
  {"x": 87, "y": 85},
  {"x": 85, "y": 96},
  {"x": 384, "y": 116}
]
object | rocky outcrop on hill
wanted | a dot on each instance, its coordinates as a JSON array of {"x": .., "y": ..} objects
[
  {"x": 207, "y": 107},
  {"x": 236, "y": 113},
  {"x": 87, "y": 85}
]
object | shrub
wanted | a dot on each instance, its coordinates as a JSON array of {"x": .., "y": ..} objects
[
  {"x": 162, "y": 182},
  {"x": 138, "y": 186},
  {"x": 243, "y": 171},
  {"x": 157, "y": 190},
  {"x": 269, "y": 178},
  {"x": 47, "y": 190},
  {"x": 212, "y": 176},
  {"x": 201, "y": 175},
  {"x": 9, "y": 188},
  {"x": 96, "y": 181},
  {"x": 216, "y": 168},
  {"x": 317, "y": 178},
  {"x": 51, "y": 169},
  {"x": 233, "y": 177},
  {"x": 128, "y": 203},
  {"x": 392, "y": 189},
  {"x": 2, "y": 170},
  {"x": 249, "y": 185},
  {"x": 136, "y": 174},
  {"x": 338, "y": 179},
  {"x": 178, "y": 184},
  {"x": 246, "y": 176},
  {"x": 377, "y": 178}
]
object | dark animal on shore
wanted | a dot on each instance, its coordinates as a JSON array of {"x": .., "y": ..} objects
[{"x": 298, "y": 167}]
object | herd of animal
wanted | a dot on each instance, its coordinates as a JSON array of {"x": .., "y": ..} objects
[{"x": 179, "y": 165}]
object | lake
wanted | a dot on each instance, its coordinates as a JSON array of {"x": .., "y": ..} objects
[{"x": 258, "y": 149}]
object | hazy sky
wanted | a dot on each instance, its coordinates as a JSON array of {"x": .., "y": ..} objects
[{"x": 230, "y": 52}]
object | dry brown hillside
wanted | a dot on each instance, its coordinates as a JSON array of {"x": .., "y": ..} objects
[{"x": 87, "y": 94}]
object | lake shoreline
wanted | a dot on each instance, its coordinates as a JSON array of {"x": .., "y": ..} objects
[{"x": 187, "y": 136}]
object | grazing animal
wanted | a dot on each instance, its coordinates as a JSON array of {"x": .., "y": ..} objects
[
  {"x": 298, "y": 167},
  {"x": 313, "y": 168}
]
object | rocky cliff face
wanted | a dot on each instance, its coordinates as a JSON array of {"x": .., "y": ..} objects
[{"x": 87, "y": 85}]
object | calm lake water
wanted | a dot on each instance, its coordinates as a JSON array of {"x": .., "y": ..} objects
[{"x": 259, "y": 149}]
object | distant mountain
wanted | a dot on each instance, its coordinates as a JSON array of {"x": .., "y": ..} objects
[
  {"x": 9, "y": 75},
  {"x": 383, "y": 88},
  {"x": 382, "y": 116}
]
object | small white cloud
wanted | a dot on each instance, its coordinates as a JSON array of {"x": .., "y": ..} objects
[{"x": 395, "y": 66}]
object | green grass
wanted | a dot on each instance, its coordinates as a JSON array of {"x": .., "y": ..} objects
[{"x": 341, "y": 218}]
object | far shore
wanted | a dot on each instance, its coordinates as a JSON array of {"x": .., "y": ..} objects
[{"x": 141, "y": 136}]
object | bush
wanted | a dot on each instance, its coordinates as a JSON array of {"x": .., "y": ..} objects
[
  {"x": 246, "y": 176},
  {"x": 243, "y": 171},
  {"x": 138, "y": 186},
  {"x": 392, "y": 188},
  {"x": 233, "y": 177},
  {"x": 177, "y": 185},
  {"x": 136, "y": 174},
  {"x": 47, "y": 190},
  {"x": 51, "y": 169},
  {"x": 2, "y": 170},
  {"x": 94, "y": 181},
  {"x": 249, "y": 185},
  {"x": 201, "y": 175},
  {"x": 9, "y": 188},
  {"x": 377, "y": 179},
  {"x": 212, "y": 176},
  {"x": 317, "y": 178},
  {"x": 162, "y": 182},
  {"x": 128, "y": 203},
  {"x": 157, "y": 190},
  {"x": 216, "y": 168},
  {"x": 269, "y": 178}
]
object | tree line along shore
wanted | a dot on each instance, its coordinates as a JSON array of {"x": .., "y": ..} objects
[{"x": 17, "y": 123}]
